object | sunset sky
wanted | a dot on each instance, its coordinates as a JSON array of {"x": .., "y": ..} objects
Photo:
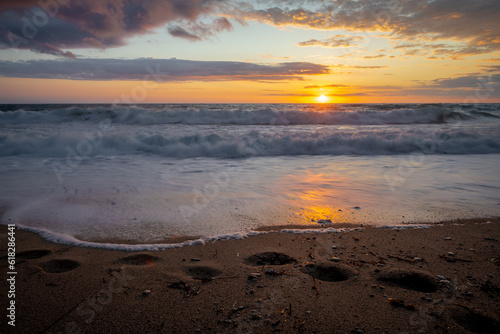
[{"x": 254, "y": 51}]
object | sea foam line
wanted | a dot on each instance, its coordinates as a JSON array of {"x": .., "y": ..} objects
[
  {"x": 65, "y": 239},
  {"x": 70, "y": 240}
]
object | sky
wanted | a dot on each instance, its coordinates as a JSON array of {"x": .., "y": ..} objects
[{"x": 254, "y": 51}]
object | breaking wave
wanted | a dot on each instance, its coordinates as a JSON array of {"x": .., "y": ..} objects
[
  {"x": 371, "y": 114},
  {"x": 253, "y": 143}
]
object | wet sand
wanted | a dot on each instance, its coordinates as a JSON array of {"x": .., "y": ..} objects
[{"x": 445, "y": 279}]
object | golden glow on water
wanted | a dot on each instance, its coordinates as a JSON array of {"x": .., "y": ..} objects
[
  {"x": 315, "y": 197},
  {"x": 312, "y": 214}
]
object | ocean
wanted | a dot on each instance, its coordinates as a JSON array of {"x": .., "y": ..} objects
[{"x": 147, "y": 176}]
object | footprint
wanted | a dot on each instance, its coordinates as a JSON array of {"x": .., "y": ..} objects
[
  {"x": 408, "y": 279},
  {"x": 203, "y": 273},
  {"x": 329, "y": 272},
  {"x": 471, "y": 320},
  {"x": 57, "y": 266},
  {"x": 139, "y": 260},
  {"x": 33, "y": 254},
  {"x": 270, "y": 258}
]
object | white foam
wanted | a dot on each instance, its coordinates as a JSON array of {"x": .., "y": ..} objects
[
  {"x": 407, "y": 227},
  {"x": 244, "y": 143},
  {"x": 72, "y": 241},
  {"x": 320, "y": 230}
]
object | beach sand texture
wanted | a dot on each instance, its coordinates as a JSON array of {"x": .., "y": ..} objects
[{"x": 444, "y": 279}]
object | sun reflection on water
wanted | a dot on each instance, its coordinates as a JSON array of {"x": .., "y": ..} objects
[
  {"x": 315, "y": 197},
  {"x": 312, "y": 214}
]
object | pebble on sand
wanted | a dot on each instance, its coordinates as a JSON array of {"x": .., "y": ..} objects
[{"x": 253, "y": 276}]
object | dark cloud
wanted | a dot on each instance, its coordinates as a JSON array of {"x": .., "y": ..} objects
[
  {"x": 157, "y": 69},
  {"x": 180, "y": 32},
  {"x": 51, "y": 50},
  {"x": 70, "y": 24},
  {"x": 198, "y": 30},
  {"x": 222, "y": 24},
  {"x": 30, "y": 24},
  {"x": 333, "y": 42}
]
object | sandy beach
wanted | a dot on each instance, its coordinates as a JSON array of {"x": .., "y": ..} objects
[
  {"x": 249, "y": 166},
  {"x": 444, "y": 279}
]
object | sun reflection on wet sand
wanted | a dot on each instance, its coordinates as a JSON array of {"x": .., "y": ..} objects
[
  {"x": 314, "y": 214},
  {"x": 316, "y": 198}
]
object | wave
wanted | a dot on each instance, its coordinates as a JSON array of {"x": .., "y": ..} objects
[
  {"x": 253, "y": 143},
  {"x": 250, "y": 114}
]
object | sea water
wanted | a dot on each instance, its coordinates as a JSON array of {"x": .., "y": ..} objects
[{"x": 149, "y": 175}]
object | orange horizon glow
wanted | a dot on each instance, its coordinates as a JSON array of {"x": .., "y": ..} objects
[
  {"x": 26, "y": 90},
  {"x": 323, "y": 99}
]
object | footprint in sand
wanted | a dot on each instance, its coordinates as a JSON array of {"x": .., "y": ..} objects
[
  {"x": 269, "y": 258},
  {"x": 329, "y": 272},
  {"x": 139, "y": 260},
  {"x": 409, "y": 279},
  {"x": 33, "y": 254},
  {"x": 203, "y": 273},
  {"x": 471, "y": 320},
  {"x": 57, "y": 266}
]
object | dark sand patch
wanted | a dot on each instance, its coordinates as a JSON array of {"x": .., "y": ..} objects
[
  {"x": 412, "y": 280},
  {"x": 33, "y": 254},
  {"x": 270, "y": 258},
  {"x": 139, "y": 260},
  {"x": 472, "y": 321},
  {"x": 57, "y": 266},
  {"x": 203, "y": 273},
  {"x": 329, "y": 272}
]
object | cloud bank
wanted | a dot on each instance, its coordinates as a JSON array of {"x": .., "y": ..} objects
[
  {"x": 161, "y": 70},
  {"x": 459, "y": 27},
  {"x": 474, "y": 24},
  {"x": 48, "y": 26}
]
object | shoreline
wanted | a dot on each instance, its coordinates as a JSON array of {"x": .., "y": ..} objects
[
  {"x": 441, "y": 280},
  {"x": 187, "y": 241}
]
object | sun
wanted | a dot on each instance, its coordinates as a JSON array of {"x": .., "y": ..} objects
[{"x": 322, "y": 99}]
